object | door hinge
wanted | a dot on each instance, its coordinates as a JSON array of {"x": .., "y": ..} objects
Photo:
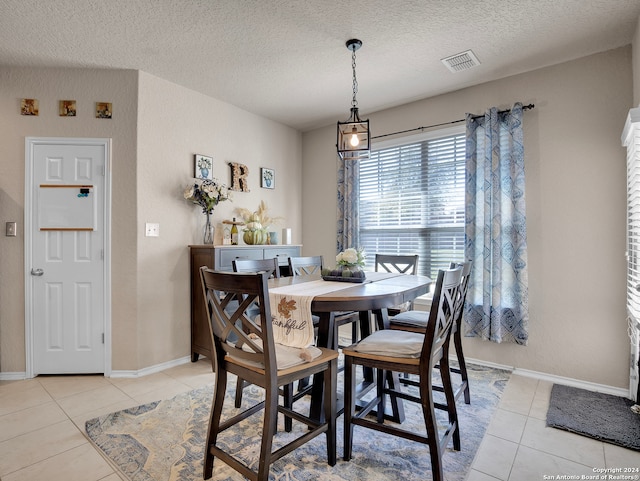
[
  {"x": 101, "y": 254},
  {"x": 103, "y": 338},
  {"x": 102, "y": 170}
]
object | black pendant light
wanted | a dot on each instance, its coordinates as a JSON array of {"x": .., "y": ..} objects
[{"x": 353, "y": 135}]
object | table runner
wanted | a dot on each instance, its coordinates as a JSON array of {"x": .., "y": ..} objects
[{"x": 291, "y": 310}]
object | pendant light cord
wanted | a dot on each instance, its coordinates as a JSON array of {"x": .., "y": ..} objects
[{"x": 354, "y": 102}]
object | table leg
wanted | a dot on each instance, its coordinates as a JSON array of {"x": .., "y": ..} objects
[
  {"x": 382, "y": 318},
  {"x": 326, "y": 338},
  {"x": 365, "y": 330}
]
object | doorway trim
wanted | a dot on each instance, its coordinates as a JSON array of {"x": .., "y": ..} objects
[{"x": 30, "y": 143}]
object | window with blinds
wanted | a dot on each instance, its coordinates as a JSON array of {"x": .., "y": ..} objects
[
  {"x": 631, "y": 140},
  {"x": 412, "y": 201},
  {"x": 633, "y": 233}
]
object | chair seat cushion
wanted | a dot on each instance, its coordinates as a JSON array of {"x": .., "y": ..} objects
[
  {"x": 392, "y": 343},
  {"x": 411, "y": 318},
  {"x": 286, "y": 356}
]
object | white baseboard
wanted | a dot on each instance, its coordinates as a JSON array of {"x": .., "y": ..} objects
[
  {"x": 13, "y": 376},
  {"x": 19, "y": 376},
  {"x": 586, "y": 385},
  {"x": 567, "y": 381},
  {"x": 485, "y": 363},
  {"x": 151, "y": 369}
]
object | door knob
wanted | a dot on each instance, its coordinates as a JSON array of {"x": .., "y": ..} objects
[{"x": 37, "y": 272}]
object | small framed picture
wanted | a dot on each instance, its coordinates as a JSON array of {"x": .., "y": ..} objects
[
  {"x": 203, "y": 167},
  {"x": 29, "y": 107},
  {"x": 67, "y": 108},
  {"x": 267, "y": 178},
  {"x": 103, "y": 110}
]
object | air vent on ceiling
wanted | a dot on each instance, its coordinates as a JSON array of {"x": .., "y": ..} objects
[{"x": 461, "y": 61}]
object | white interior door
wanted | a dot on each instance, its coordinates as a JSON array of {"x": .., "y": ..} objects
[{"x": 66, "y": 239}]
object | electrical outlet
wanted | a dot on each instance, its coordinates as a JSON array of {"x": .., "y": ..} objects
[
  {"x": 152, "y": 230},
  {"x": 12, "y": 229}
]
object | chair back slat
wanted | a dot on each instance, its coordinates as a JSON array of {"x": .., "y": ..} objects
[
  {"x": 270, "y": 266},
  {"x": 441, "y": 315},
  {"x": 305, "y": 266},
  {"x": 404, "y": 264},
  {"x": 237, "y": 306},
  {"x": 462, "y": 293}
]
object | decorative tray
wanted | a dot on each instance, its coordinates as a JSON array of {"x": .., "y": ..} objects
[{"x": 345, "y": 279}]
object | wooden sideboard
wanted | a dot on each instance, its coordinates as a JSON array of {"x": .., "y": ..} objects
[{"x": 220, "y": 258}]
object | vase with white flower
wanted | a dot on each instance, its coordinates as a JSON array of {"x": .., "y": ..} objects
[
  {"x": 207, "y": 194},
  {"x": 349, "y": 266}
]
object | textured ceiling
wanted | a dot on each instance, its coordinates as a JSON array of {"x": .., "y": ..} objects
[{"x": 286, "y": 59}]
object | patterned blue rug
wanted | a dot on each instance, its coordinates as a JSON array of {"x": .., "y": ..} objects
[{"x": 164, "y": 440}]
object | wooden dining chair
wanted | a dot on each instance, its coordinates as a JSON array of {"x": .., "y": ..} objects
[
  {"x": 312, "y": 265},
  {"x": 244, "y": 346},
  {"x": 417, "y": 354},
  {"x": 403, "y": 264},
  {"x": 416, "y": 321},
  {"x": 305, "y": 266},
  {"x": 272, "y": 268}
]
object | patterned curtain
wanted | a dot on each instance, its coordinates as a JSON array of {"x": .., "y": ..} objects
[
  {"x": 348, "y": 220},
  {"x": 495, "y": 228}
]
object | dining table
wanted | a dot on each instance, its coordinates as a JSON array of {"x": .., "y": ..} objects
[{"x": 370, "y": 298}]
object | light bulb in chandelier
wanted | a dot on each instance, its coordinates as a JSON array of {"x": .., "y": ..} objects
[{"x": 355, "y": 141}]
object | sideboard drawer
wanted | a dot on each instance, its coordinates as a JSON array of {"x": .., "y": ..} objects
[
  {"x": 224, "y": 255},
  {"x": 282, "y": 253},
  {"x": 228, "y": 255}
]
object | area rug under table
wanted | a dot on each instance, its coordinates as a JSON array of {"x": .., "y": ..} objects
[
  {"x": 164, "y": 440},
  {"x": 600, "y": 416}
]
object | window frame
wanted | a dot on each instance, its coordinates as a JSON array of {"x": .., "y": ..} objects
[{"x": 431, "y": 135}]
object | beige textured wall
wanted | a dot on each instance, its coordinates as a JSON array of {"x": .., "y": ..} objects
[
  {"x": 86, "y": 87},
  {"x": 156, "y": 128},
  {"x": 174, "y": 124},
  {"x": 575, "y": 167}
]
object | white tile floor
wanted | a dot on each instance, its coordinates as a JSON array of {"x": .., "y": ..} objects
[
  {"x": 519, "y": 447},
  {"x": 42, "y": 428}
]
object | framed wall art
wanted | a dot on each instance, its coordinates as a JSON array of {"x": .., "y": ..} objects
[
  {"x": 267, "y": 178},
  {"x": 103, "y": 110},
  {"x": 67, "y": 108},
  {"x": 29, "y": 107},
  {"x": 203, "y": 167}
]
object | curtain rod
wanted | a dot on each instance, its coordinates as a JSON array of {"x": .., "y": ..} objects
[{"x": 524, "y": 107}]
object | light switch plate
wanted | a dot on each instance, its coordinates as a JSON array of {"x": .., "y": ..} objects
[
  {"x": 12, "y": 229},
  {"x": 152, "y": 230}
]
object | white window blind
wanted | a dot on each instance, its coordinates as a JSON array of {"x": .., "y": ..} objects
[
  {"x": 633, "y": 232},
  {"x": 631, "y": 140},
  {"x": 412, "y": 202}
]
